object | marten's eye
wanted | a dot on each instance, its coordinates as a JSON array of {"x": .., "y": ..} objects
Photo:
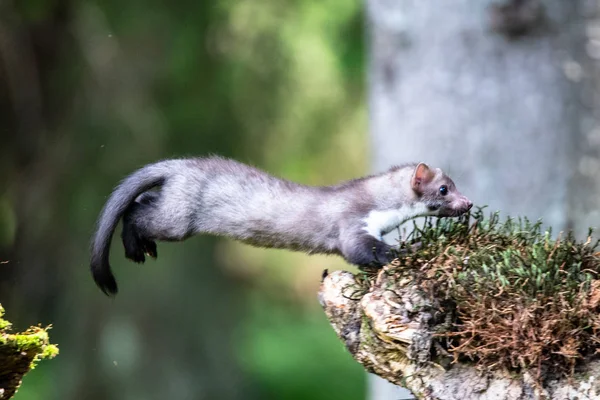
[{"x": 443, "y": 190}]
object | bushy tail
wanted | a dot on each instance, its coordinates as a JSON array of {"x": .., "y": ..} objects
[{"x": 128, "y": 190}]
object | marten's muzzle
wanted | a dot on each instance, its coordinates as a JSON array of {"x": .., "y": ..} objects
[{"x": 456, "y": 207}]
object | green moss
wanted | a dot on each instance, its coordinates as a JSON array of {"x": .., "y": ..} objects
[
  {"x": 517, "y": 297},
  {"x": 19, "y": 353}
]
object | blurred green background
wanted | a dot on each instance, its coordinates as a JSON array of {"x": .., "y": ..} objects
[{"x": 91, "y": 90}]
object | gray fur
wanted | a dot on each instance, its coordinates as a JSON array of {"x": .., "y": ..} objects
[{"x": 226, "y": 198}]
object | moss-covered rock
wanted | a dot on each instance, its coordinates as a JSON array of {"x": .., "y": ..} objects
[{"x": 19, "y": 353}]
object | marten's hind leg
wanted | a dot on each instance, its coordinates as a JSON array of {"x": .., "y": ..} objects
[{"x": 135, "y": 243}]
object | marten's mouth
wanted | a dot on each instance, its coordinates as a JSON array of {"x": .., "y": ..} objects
[{"x": 452, "y": 212}]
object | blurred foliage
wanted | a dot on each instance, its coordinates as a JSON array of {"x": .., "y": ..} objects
[{"x": 90, "y": 90}]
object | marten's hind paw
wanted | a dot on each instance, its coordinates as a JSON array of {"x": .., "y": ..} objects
[
  {"x": 137, "y": 250},
  {"x": 133, "y": 250},
  {"x": 149, "y": 247},
  {"x": 137, "y": 247}
]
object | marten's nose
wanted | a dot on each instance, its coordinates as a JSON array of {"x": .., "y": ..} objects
[{"x": 469, "y": 205}]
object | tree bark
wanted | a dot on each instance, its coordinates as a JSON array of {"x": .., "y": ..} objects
[{"x": 507, "y": 110}]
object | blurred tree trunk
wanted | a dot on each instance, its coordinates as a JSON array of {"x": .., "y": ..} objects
[
  {"x": 31, "y": 149},
  {"x": 502, "y": 96}
]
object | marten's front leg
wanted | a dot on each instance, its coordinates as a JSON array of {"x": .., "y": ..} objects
[{"x": 366, "y": 250}]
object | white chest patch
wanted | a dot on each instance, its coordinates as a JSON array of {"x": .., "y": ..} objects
[{"x": 379, "y": 223}]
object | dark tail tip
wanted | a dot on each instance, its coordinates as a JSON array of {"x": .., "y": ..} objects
[{"x": 104, "y": 278}]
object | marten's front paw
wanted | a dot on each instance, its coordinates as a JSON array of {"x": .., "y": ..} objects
[
  {"x": 384, "y": 254},
  {"x": 373, "y": 254}
]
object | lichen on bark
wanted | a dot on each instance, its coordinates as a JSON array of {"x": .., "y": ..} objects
[{"x": 19, "y": 353}]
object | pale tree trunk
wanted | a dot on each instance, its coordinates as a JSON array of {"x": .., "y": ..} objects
[{"x": 512, "y": 119}]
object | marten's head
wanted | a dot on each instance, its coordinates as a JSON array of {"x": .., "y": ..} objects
[
  {"x": 409, "y": 191},
  {"x": 438, "y": 192}
]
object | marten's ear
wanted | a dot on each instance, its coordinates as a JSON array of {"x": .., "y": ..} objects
[{"x": 421, "y": 176}]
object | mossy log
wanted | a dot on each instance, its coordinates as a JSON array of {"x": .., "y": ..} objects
[
  {"x": 481, "y": 310},
  {"x": 19, "y": 353}
]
